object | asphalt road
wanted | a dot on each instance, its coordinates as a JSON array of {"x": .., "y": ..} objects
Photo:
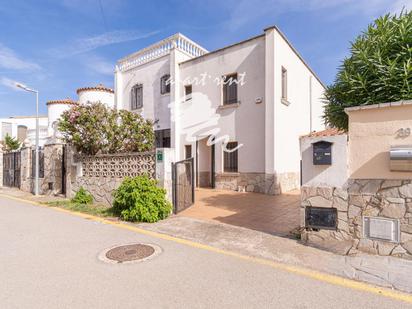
[{"x": 49, "y": 259}]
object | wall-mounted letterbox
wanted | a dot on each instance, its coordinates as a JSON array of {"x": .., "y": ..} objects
[
  {"x": 321, "y": 218},
  {"x": 322, "y": 153},
  {"x": 401, "y": 158}
]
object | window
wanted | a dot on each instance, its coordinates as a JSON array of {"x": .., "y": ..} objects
[
  {"x": 230, "y": 89},
  {"x": 284, "y": 84},
  {"x": 162, "y": 138},
  {"x": 188, "y": 151},
  {"x": 188, "y": 92},
  {"x": 165, "y": 84},
  {"x": 230, "y": 159},
  {"x": 136, "y": 96}
]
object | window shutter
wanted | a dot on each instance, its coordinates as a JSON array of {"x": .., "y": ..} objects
[{"x": 133, "y": 98}]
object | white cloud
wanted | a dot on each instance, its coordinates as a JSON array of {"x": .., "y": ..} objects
[
  {"x": 10, "y": 60},
  {"x": 83, "y": 45},
  {"x": 9, "y": 83}
]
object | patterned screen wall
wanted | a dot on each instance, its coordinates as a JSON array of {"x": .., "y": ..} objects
[{"x": 119, "y": 165}]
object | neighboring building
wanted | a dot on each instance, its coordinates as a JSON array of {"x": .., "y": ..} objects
[
  {"x": 357, "y": 186},
  {"x": 22, "y": 127},
  {"x": 55, "y": 108},
  {"x": 273, "y": 99}
]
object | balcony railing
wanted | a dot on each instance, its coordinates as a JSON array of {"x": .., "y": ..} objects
[{"x": 160, "y": 49}]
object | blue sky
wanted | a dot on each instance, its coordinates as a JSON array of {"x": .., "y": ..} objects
[{"x": 59, "y": 46}]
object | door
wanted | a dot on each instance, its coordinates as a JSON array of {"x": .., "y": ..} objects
[{"x": 183, "y": 184}]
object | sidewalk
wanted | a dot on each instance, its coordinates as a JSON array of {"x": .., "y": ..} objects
[
  {"x": 383, "y": 271},
  {"x": 378, "y": 270}
]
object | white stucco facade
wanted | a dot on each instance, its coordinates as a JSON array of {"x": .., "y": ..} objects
[
  {"x": 265, "y": 125},
  {"x": 334, "y": 174}
]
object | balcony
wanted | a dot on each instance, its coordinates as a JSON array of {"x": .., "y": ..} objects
[{"x": 159, "y": 49}]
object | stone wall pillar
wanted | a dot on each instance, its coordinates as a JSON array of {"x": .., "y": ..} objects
[
  {"x": 53, "y": 169},
  {"x": 26, "y": 180},
  {"x": 164, "y": 159}
]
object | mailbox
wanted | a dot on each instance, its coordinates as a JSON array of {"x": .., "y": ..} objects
[
  {"x": 401, "y": 158},
  {"x": 322, "y": 153}
]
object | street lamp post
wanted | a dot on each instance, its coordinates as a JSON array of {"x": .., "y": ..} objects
[{"x": 36, "y": 179}]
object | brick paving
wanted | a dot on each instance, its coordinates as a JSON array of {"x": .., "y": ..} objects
[{"x": 276, "y": 215}]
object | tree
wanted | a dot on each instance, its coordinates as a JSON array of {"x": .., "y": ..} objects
[
  {"x": 379, "y": 69},
  {"x": 94, "y": 128},
  {"x": 11, "y": 143}
]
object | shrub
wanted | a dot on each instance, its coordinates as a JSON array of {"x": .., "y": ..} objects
[
  {"x": 95, "y": 128},
  {"x": 11, "y": 143},
  {"x": 82, "y": 197},
  {"x": 378, "y": 70},
  {"x": 140, "y": 199}
]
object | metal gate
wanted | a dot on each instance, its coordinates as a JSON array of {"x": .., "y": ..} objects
[
  {"x": 183, "y": 184},
  {"x": 11, "y": 169}
]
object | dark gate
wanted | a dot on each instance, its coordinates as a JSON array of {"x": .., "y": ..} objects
[
  {"x": 183, "y": 185},
  {"x": 11, "y": 169},
  {"x": 64, "y": 169}
]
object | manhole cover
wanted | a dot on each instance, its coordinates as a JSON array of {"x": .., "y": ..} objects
[{"x": 129, "y": 253}]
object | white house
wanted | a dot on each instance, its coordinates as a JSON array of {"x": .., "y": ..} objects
[
  {"x": 22, "y": 127},
  {"x": 256, "y": 96}
]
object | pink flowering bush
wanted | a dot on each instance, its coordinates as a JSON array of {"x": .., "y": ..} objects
[{"x": 94, "y": 128}]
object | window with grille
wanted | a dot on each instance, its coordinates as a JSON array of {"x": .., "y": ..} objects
[
  {"x": 230, "y": 158},
  {"x": 136, "y": 96},
  {"x": 165, "y": 84},
  {"x": 162, "y": 138},
  {"x": 230, "y": 89},
  {"x": 284, "y": 84},
  {"x": 188, "y": 151},
  {"x": 188, "y": 92}
]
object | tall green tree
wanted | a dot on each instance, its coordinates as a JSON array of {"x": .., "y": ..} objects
[
  {"x": 11, "y": 143},
  {"x": 378, "y": 70}
]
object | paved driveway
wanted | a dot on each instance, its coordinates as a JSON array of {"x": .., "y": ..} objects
[
  {"x": 48, "y": 259},
  {"x": 276, "y": 215}
]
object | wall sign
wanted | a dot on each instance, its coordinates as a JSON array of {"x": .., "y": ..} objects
[{"x": 159, "y": 156}]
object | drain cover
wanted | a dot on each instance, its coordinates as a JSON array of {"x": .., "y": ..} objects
[{"x": 129, "y": 253}]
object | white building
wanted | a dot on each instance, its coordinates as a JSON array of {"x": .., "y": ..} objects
[
  {"x": 55, "y": 108},
  {"x": 22, "y": 127},
  {"x": 274, "y": 98}
]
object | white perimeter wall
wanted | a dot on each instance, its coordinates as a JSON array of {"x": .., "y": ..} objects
[
  {"x": 246, "y": 123},
  {"x": 334, "y": 175},
  {"x": 293, "y": 121}
]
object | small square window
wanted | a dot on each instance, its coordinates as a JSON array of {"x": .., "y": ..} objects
[{"x": 188, "y": 92}]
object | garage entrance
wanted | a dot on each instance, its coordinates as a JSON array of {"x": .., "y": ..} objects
[{"x": 273, "y": 214}]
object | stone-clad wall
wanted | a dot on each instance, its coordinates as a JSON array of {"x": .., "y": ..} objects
[
  {"x": 102, "y": 174},
  {"x": 258, "y": 182},
  {"x": 380, "y": 198},
  {"x": 51, "y": 183}
]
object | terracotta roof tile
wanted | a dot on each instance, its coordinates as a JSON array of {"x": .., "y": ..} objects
[
  {"x": 99, "y": 87},
  {"x": 327, "y": 132},
  {"x": 64, "y": 101}
]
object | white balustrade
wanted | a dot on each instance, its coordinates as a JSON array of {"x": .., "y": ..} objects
[{"x": 160, "y": 49}]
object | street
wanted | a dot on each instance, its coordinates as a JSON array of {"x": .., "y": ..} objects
[{"x": 49, "y": 259}]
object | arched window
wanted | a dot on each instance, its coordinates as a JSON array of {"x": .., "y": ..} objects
[
  {"x": 165, "y": 84},
  {"x": 136, "y": 97}
]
